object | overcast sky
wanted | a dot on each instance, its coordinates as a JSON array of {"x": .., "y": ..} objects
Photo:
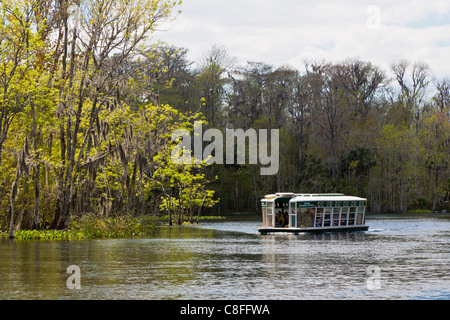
[{"x": 287, "y": 32}]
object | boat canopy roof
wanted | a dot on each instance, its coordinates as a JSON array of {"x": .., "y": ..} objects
[
  {"x": 326, "y": 198},
  {"x": 302, "y": 197},
  {"x": 280, "y": 195}
]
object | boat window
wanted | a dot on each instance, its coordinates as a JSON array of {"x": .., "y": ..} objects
[
  {"x": 344, "y": 216},
  {"x": 292, "y": 215},
  {"x": 281, "y": 214},
  {"x": 267, "y": 209},
  {"x": 351, "y": 216},
  {"x": 336, "y": 212},
  {"x": 269, "y": 219},
  {"x": 319, "y": 217},
  {"x": 306, "y": 217},
  {"x": 359, "y": 215},
  {"x": 327, "y": 217}
]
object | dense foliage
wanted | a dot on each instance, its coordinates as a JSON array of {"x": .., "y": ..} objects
[
  {"x": 87, "y": 108},
  {"x": 81, "y": 131},
  {"x": 348, "y": 127}
]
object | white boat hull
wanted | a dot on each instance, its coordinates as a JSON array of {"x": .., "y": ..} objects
[{"x": 314, "y": 230}]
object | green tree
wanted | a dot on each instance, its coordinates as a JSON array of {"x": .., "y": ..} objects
[
  {"x": 183, "y": 186},
  {"x": 211, "y": 79},
  {"x": 114, "y": 32}
]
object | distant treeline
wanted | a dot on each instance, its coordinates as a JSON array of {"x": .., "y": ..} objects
[
  {"x": 348, "y": 127},
  {"x": 87, "y": 109}
]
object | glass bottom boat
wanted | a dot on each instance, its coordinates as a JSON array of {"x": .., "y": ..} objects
[{"x": 296, "y": 213}]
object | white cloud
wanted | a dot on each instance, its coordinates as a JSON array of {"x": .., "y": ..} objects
[{"x": 289, "y": 31}]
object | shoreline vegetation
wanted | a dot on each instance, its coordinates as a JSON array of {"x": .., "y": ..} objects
[
  {"x": 89, "y": 109},
  {"x": 93, "y": 227},
  {"x": 122, "y": 227}
]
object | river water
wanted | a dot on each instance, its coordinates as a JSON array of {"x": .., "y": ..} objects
[{"x": 400, "y": 257}]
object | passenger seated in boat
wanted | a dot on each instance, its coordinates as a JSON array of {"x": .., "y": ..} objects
[
  {"x": 319, "y": 222},
  {"x": 279, "y": 221}
]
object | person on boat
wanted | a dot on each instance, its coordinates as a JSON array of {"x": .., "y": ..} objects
[
  {"x": 285, "y": 219},
  {"x": 335, "y": 220},
  {"x": 319, "y": 222},
  {"x": 279, "y": 221}
]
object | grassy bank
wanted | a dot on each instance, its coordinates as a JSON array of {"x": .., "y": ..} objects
[{"x": 93, "y": 227}]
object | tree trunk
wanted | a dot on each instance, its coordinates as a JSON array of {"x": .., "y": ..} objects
[
  {"x": 64, "y": 209},
  {"x": 11, "y": 224},
  {"x": 200, "y": 209},
  {"x": 14, "y": 193},
  {"x": 300, "y": 155},
  {"x": 35, "y": 223}
]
